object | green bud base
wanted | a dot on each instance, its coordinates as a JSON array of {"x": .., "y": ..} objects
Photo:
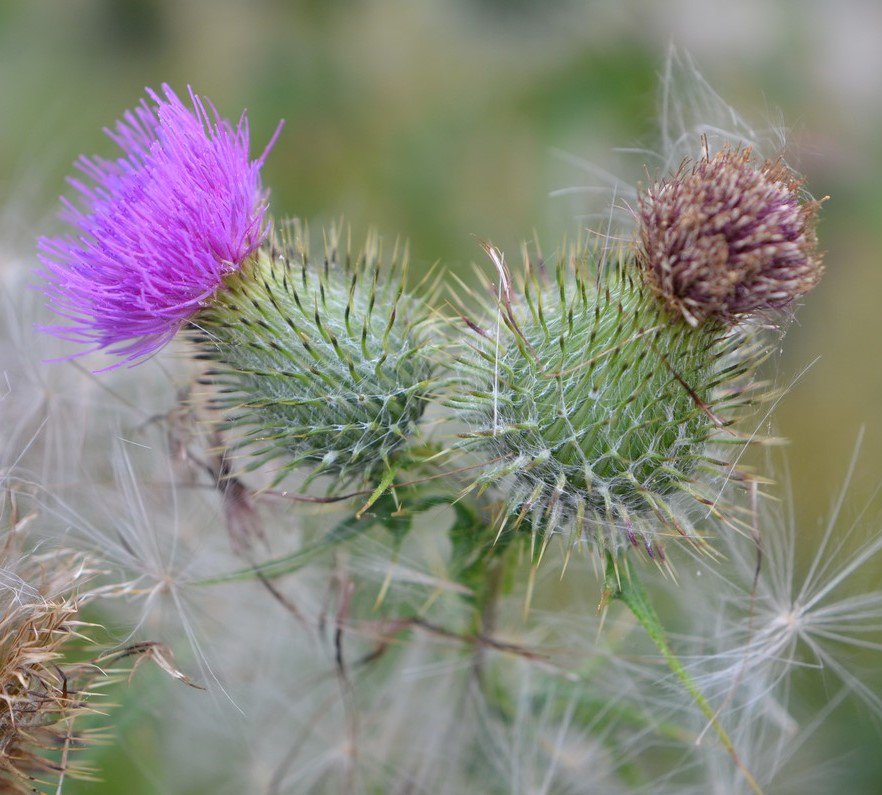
[
  {"x": 317, "y": 363},
  {"x": 596, "y": 405}
]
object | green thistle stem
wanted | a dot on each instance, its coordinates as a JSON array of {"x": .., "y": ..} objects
[{"x": 621, "y": 583}]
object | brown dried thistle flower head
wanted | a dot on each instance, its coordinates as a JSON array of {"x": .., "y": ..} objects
[
  {"x": 40, "y": 694},
  {"x": 47, "y": 679},
  {"x": 728, "y": 238}
]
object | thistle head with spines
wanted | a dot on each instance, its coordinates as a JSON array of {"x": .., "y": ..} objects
[
  {"x": 594, "y": 407},
  {"x": 596, "y": 398},
  {"x": 320, "y": 363},
  {"x": 592, "y": 399}
]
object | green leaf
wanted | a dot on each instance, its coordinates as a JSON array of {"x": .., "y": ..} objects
[
  {"x": 382, "y": 487},
  {"x": 296, "y": 560},
  {"x": 397, "y": 520}
]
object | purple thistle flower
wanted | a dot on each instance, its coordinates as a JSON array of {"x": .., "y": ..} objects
[
  {"x": 728, "y": 238},
  {"x": 160, "y": 228}
]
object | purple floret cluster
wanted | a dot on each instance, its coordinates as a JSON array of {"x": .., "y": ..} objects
[
  {"x": 157, "y": 229},
  {"x": 729, "y": 238}
]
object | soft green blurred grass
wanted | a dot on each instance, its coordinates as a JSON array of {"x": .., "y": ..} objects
[{"x": 435, "y": 121}]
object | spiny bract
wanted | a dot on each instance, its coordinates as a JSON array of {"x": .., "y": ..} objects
[
  {"x": 594, "y": 406},
  {"x": 323, "y": 364}
]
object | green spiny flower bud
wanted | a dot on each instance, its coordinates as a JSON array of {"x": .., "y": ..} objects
[
  {"x": 595, "y": 406},
  {"x": 320, "y": 364}
]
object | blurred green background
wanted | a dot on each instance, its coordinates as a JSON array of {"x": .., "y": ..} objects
[{"x": 437, "y": 121}]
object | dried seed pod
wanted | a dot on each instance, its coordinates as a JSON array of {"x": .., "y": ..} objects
[{"x": 41, "y": 692}]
